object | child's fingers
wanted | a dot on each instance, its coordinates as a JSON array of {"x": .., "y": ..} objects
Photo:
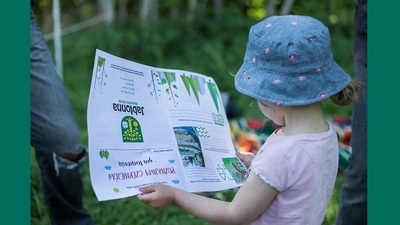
[
  {"x": 245, "y": 157},
  {"x": 147, "y": 189},
  {"x": 143, "y": 198}
]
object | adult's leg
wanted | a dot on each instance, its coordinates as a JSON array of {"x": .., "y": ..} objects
[
  {"x": 55, "y": 137},
  {"x": 353, "y": 204}
]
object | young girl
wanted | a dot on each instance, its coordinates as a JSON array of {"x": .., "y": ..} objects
[{"x": 289, "y": 69}]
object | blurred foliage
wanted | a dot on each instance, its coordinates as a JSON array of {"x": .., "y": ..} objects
[{"x": 207, "y": 45}]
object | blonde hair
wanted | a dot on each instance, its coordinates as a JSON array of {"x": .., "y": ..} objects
[{"x": 349, "y": 94}]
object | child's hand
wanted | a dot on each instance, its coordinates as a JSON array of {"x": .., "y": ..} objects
[
  {"x": 157, "y": 196},
  {"x": 246, "y": 157}
]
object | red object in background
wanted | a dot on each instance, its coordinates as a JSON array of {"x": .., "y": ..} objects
[
  {"x": 346, "y": 137},
  {"x": 255, "y": 124},
  {"x": 345, "y": 125},
  {"x": 247, "y": 143},
  {"x": 341, "y": 121}
]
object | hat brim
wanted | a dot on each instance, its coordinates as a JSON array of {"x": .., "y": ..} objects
[{"x": 291, "y": 89}]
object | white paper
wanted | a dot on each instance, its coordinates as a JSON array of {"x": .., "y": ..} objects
[{"x": 151, "y": 125}]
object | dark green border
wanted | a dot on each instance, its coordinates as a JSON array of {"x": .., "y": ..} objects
[
  {"x": 383, "y": 112},
  {"x": 383, "y": 126},
  {"x": 14, "y": 59}
]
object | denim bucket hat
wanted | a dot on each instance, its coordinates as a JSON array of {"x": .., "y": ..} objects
[{"x": 288, "y": 61}]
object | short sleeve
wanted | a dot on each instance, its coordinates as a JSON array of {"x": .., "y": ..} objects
[{"x": 273, "y": 167}]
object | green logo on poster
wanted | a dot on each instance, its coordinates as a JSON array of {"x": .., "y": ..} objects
[{"x": 131, "y": 131}]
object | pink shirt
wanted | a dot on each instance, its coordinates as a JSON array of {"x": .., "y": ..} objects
[{"x": 303, "y": 169}]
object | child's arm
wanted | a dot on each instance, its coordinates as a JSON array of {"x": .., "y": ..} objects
[{"x": 250, "y": 201}]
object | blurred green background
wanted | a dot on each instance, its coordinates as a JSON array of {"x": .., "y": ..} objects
[{"x": 207, "y": 37}]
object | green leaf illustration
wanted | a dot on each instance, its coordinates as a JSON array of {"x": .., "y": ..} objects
[
  {"x": 185, "y": 80},
  {"x": 170, "y": 76},
  {"x": 195, "y": 87},
  {"x": 101, "y": 61},
  {"x": 212, "y": 87}
]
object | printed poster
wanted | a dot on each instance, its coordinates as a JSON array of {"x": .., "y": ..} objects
[{"x": 150, "y": 125}]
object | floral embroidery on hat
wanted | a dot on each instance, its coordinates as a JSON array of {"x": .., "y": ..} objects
[
  {"x": 253, "y": 60},
  {"x": 311, "y": 38},
  {"x": 268, "y": 24},
  {"x": 318, "y": 70},
  {"x": 266, "y": 50},
  {"x": 276, "y": 81},
  {"x": 245, "y": 77},
  {"x": 322, "y": 96},
  {"x": 278, "y": 103},
  {"x": 302, "y": 78},
  {"x": 294, "y": 22},
  {"x": 293, "y": 57}
]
